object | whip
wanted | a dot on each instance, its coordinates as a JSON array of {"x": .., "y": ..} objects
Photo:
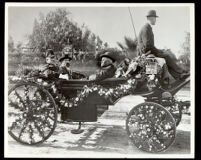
[{"x": 132, "y": 22}]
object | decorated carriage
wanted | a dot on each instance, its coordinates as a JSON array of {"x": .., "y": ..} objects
[{"x": 34, "y": 103}]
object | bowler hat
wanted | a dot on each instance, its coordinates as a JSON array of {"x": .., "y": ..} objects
[
  {"x": 110, "y": 55},
  {"x": 152, "y": 13},
  {"x": 50, "y": 53},
  {"x": 65, "y": 57}
]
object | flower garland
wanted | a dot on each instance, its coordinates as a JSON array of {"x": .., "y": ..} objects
[{"x": 110, "y": 94}]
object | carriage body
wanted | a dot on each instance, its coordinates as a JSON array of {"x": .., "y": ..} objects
[
  {"x": 87, "y": 111},
  {"x": 158, "y": 111}
]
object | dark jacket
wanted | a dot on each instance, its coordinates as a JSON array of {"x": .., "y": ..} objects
[
  {"x": 106, "y": 72},
  {"x": 146, "y": 41},
  {"x": 51, "y": 70}
]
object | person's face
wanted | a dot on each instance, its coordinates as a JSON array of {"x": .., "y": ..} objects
[
  {"x": 105, "y": 61},
  {"x": 67, "y": 49},
  {"x": 152, "y": 20},
  {"x": 65, "y": 63},
  {"x": 49, "y": 60}
]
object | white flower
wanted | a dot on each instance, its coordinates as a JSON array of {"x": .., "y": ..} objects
[
  {"x": 39, "y": 80},
  {"x": 152, "y": 77},
  {"x": 129, "y": 81},
  {"x": 45, "y": 84}
]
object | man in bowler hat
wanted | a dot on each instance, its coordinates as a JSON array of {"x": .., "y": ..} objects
[
  {"x": 107, "y": 69},
  {"x": 146, "y": 44}
]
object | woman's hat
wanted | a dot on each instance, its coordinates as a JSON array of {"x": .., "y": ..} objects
[
  {"x": 65, "y": 57},
  {"x": 152, "y": 13},
  {"x": 109, "y": 55},
  {"x": 50, "y": 53}
]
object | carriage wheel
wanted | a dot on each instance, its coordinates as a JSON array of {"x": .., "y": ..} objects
[
  {"x": 32, "y": 113},
  {"x": 151, "y": 127},
  {"x": 176, "y": 112}
]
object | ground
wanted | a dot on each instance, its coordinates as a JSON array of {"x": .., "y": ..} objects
[{"x": 103, "y": 138}]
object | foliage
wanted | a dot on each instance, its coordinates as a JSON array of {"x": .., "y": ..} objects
[
  {"x": 56, "y": 30},
  {"x": 11, "y": 45},
  {"x": 23, "y": 70},
  {"x": 130, "y": 47},
  {"x": 130, "y": 43},
  {"x": 184, "y": 58}
]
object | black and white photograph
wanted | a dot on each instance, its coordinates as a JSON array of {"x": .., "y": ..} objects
[{"x": 99, "y": 80}]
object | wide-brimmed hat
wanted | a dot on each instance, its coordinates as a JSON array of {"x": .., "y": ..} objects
[
  {"x": 110, "y": 55},
  {"x": 65, "y": 57},
  {"x": 152, "y": 13},
  {"x": 49, "y": 53}
]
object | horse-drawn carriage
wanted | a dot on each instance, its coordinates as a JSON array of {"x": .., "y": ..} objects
[{"x": 33, "y": 105}]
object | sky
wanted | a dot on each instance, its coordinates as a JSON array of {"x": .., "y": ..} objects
[{"x": 111, "y": 23}]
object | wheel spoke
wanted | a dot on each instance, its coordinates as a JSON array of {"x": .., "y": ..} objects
[
  {"x": 14, "y": 124},
  {"x": 20, "y": 98},
  {"x": 39, "y": 130},
  {"x": 45, "y": 123},
  {"x": 23, "y": 128},
  {"x": 50, "y": 118},
  {"x": 13, "y": 104},
  {"x": 31, "y": 133}
]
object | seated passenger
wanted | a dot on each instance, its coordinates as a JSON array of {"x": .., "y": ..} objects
[
  {"x": 65, "y": 71},
  {"x": 64, "y": 68},
  {"x": 122, "y": 68},
  {"x": 107, "y": 69},
  {"x": 50, "y": 69}
]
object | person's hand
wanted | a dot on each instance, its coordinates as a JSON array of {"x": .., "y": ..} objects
[
  {"x": 42, "y": 68},
  {"x": 92, "y": 77},
  {"x": 46, "y": 73}
]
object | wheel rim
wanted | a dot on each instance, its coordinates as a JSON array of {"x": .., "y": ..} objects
[
  {"x": 151, "y": 127},
  {"x": 176, "y": 112},
  {"x": 32, "y": 113}
]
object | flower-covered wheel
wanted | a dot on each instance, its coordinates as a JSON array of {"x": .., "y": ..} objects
[
  {"x": 32, "y": 113},
  {"x": 151, "y": 127}
]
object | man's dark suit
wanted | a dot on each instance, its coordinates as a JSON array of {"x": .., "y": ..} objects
[
  {"x": 146, "y": 43},
  {"x": 105, "y": 72}
]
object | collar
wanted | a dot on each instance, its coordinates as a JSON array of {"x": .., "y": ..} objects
[
  {"x": 108, "y": 66},
  {"x": 149, "y": 25}
]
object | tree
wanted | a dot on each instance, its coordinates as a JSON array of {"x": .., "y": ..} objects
[
  {"x": 19, "y": 47},
  {"x": 57, "y": 30},
  {"x": 11, "y": 45},
  {"x": 85, "y": 39},
  {"x": 53, "y": 31},
  {"x": 184, "y": 58},
  {"x": 99, "y": 42},
  {"x": 130, "y": 47},
  {"x": 106, "y": 45}
]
